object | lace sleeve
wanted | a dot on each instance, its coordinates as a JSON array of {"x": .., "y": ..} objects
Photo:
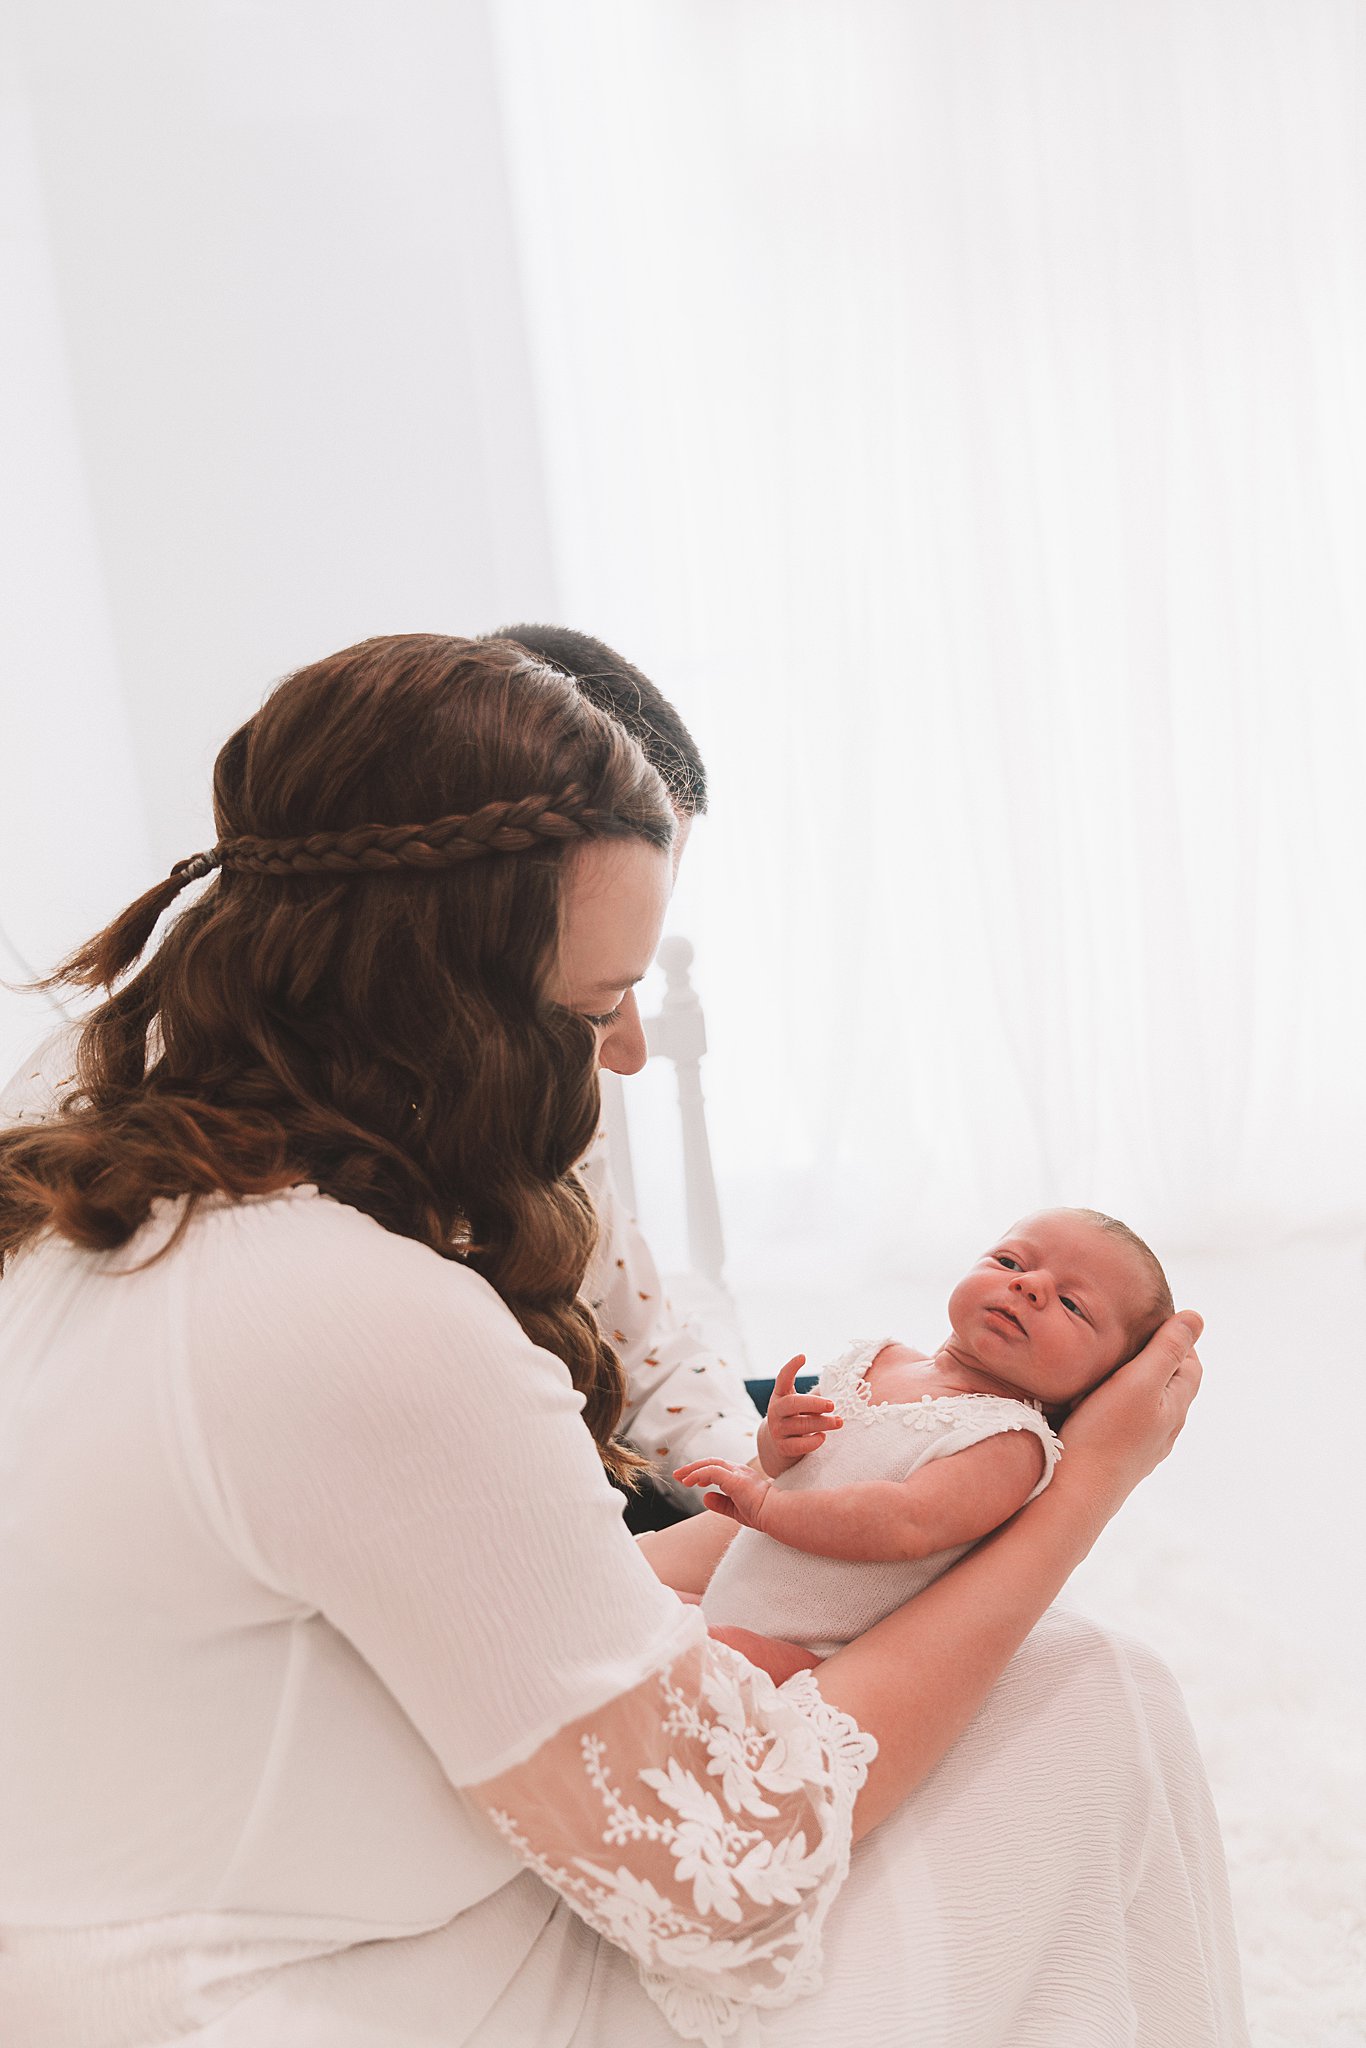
[{"x": 700, "y": 1821}]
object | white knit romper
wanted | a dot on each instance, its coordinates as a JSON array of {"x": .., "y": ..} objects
[{"x": 823, "y": 1602}]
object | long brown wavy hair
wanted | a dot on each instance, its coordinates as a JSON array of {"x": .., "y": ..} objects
[{"x": 358, "y": 998}]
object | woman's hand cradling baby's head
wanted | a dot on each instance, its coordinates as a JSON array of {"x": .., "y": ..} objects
[{"x": 1124, "y": 1428}]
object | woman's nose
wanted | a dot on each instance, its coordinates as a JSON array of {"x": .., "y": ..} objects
[{"x": 623, "y": 1049}]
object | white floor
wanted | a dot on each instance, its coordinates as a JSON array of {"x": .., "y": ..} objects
[{"x": 1243, "y": 1560}]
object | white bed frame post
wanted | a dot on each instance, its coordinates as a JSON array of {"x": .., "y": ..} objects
[
  {"x": 679, "y": 1033},
  {"x": 618, "y": 1139}
]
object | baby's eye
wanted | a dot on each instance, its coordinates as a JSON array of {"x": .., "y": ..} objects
[
  {"x": 1008, "y": 1260},
  {"x": 602, "y": 1023},
  {"x": 1068, "y": 1303}
]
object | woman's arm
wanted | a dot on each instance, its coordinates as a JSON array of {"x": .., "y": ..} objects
[
  {"x": 686, "y": 1554},
  {"x": 916, "y": 1680},
  {"x": 780, "y": 1660}
]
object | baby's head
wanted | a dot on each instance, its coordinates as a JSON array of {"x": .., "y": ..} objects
[{"x": 1061, "y": 1300}]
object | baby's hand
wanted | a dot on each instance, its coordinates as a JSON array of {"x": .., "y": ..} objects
[
  {"x": 739, "y": 1491},
  {"x": 797, "y": 1422}
]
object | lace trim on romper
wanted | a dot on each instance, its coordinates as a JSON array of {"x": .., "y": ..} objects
[{"x": 844, "y": 1382}]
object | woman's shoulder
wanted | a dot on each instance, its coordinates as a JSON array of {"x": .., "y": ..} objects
[
  {"x": 297, "y": 1267},
  {"x": 298, "y": 1329}
]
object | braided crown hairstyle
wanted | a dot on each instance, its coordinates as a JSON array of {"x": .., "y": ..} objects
[{"x": 358, "y": 999}]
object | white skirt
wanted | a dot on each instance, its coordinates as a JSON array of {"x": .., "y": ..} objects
[{"x": 1057, "y": 1882}]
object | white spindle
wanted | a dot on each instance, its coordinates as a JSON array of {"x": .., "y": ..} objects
[
  {"x": 679, "y": 1033},
  {"x": 618, "y": 1138}
]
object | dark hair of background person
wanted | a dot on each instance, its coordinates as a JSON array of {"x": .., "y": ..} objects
[
  {"x": 619, "y": 689},
  {"x": 363, "y": 1006}
]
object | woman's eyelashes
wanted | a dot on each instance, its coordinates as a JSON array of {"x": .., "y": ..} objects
[{"x": 605, "y": 1022}]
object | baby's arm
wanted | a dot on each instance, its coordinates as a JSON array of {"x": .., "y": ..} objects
[{"x": 952, "y": 1500}]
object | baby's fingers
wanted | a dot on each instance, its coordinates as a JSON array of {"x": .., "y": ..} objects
[
  {"x": 706, "y": 1472},
  {"x": 787, "y": 1378},
  {"x": 803, "y": 1411},
  {"x": 796, "y": 1446},
  {"x": 796, "y": 1430}
]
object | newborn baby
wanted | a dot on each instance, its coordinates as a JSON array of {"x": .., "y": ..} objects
[{"x": 895, "y": 1464}]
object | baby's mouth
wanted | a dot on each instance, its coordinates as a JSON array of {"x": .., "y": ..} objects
[{"x": 1009, "y": 1315}]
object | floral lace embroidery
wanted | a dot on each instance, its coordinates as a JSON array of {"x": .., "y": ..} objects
[
  {"x": 845, "y": 1384},
  {"x": 729, "y": 1917}
]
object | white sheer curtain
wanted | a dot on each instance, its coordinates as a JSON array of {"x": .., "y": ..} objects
[
  {"x": 72, "y": 825},
  {"x": 959, "y": 408}
]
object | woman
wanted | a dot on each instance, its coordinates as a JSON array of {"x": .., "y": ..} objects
[{"x": 331, "y": 1674}]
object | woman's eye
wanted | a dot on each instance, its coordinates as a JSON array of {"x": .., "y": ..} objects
[{"x": 604, "y": 1022}]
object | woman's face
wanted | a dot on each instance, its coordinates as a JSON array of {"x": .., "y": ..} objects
[{"x": 615, "y": 895}]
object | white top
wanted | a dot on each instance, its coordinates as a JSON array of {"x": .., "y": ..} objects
[
  {"x": 299, "y": 1535},
  {"x": 823, "y": 1602}
]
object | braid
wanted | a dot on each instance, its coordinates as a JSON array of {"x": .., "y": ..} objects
[
  {"x": 507, "y": 826},
  {"x": 504, "y": 827},
  {"x": 397, "y": 1045}
]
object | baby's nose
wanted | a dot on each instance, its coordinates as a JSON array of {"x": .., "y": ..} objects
[{"x": 1029, "y": 1284}]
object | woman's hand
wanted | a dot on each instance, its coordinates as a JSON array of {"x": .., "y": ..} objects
[
  {"x": 739, "y": 1491},
  {"x": 1128, "y": 1424}
]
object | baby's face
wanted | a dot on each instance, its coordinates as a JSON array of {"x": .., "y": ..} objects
[{"x": 1050, "y": 1308}]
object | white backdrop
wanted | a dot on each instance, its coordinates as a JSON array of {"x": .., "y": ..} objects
[
  {"x": 957, "y": 408},
  {"x": 265, "y": 391},
  {"x": 962, "y": 407}
]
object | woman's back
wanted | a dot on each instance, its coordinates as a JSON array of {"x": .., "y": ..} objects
[{"x": 185, "y": 1732}]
